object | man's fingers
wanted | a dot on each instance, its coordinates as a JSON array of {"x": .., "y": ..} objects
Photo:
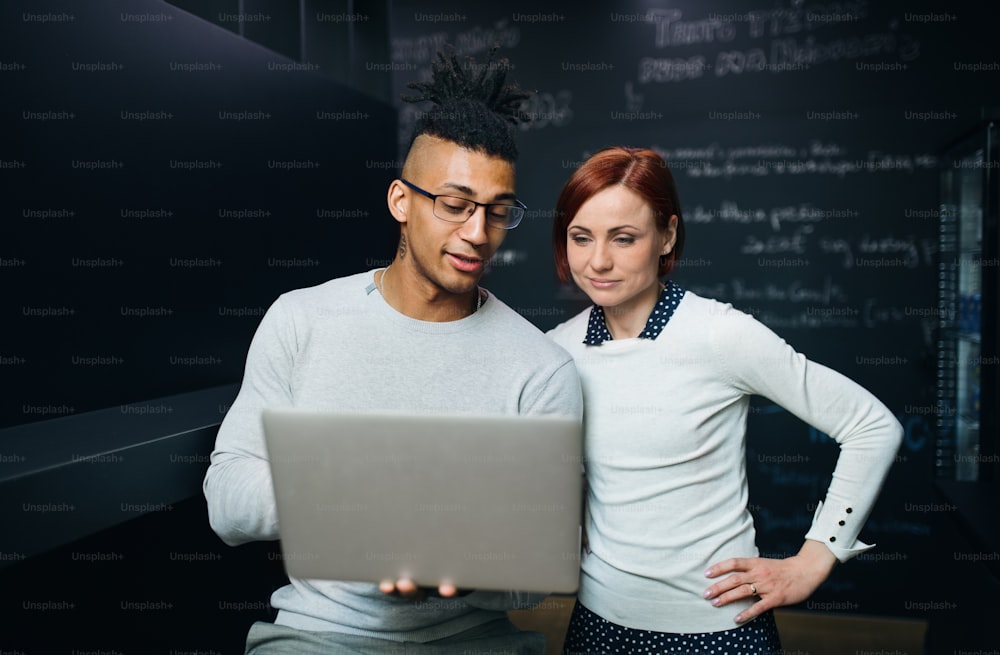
[
  {"x": 403, "y": 587},
  {"x": 406, "y": 587},
  {"x": 409, "y": 589}
]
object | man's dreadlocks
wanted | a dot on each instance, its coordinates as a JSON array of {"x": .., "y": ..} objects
[{"x": 473, "y": 104}]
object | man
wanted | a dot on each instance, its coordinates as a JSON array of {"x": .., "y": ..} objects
[{"x": 420, "y": 336}]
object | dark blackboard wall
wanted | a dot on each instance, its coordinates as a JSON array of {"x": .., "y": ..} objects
[
  {"x": 805, "y": 140},
  {"x": 164, "y": 180}
]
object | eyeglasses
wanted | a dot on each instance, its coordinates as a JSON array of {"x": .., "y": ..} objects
[{"x": 458, "y": 210}]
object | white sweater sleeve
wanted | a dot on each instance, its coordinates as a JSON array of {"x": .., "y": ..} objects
[
  {"x": 759, "y": 362},
  {"x": 237, "y": 486}
]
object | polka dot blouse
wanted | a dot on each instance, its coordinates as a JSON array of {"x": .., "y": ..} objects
[{"x": 670, "y": 297}]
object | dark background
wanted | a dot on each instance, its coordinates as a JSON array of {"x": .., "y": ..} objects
[{"x": 806, "y": 141}]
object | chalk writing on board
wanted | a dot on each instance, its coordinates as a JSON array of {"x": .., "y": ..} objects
[
  {"x": 545, "y": 109},
  {"x": 814, "y": 158},
  {"x": 870, "y": 313},
  {"x": 633, "y": 100},
  {"x": 769, "y": 22},
  {"x": 795, "y": 304},
  {"x": 730, "y": 211},
  {"x": 873, "y": 163},
  {"x": 786, "y": 51},
  {"x": 866, "y": 252},
  {"x": 888, "y": 251},
  {"x": 794, "y": 243},
  {"x": 917, "y": 433},
  {"x": 790, "y": 305},
  {"x": 805, "y": 320},
  {"x": 738, "y": 289}
]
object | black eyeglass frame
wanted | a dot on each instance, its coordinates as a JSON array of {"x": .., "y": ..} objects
[{"x": 509, "y": 225}]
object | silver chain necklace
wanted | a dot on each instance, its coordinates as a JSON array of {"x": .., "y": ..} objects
[{"x": 381, "y": 280}]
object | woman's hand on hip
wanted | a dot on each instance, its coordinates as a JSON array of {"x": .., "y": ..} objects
[{"x": 772, "y": 582}]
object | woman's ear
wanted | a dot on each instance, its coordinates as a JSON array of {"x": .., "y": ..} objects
[{"x": 669, "y": 236}]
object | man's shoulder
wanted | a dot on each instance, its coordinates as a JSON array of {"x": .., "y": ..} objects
[
  {"x": 517, "y": 329},
  {"x": 337, "y": 290},
  {"x": 514, "y": 319}
]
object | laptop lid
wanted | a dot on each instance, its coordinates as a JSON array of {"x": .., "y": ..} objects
[{"x": 481, "y": 502}]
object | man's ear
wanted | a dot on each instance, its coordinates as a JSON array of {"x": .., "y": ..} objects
[{"x": 398, "y": 201}]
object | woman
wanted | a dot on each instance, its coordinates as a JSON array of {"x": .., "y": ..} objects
[{"x": 671, "y": 564}]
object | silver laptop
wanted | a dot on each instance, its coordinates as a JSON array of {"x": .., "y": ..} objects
[{"x": 481, "y": 502}]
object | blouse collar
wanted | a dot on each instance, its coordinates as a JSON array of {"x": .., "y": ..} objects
[{"x": 670, "y": 297}]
